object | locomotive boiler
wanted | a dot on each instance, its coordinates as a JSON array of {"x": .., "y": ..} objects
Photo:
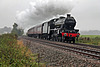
[{"x": 58, "y": 29}]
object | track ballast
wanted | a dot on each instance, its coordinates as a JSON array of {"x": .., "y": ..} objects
[{"x": 87, "y": 52}]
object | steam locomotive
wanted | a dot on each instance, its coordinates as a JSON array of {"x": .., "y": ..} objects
[{"x": 58, "y": 29}]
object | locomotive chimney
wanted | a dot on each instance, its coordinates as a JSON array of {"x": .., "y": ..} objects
[{"x": 68, "y": 15}]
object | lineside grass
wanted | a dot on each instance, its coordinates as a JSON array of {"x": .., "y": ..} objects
[
  {"x": 14, "y": 54},
  {"x": 90, "y": 36},
  {"x": 89, "y": 39}
]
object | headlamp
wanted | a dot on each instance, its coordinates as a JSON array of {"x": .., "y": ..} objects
[{"x": 65, "y": 34}]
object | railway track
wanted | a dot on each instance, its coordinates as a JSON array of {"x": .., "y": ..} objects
[
  {"x": 86, "y": 45},
  {"x": 87, "y": 52}
]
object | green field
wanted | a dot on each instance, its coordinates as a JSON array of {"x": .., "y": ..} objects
[
  {"x": 91, "y": 36},
  {"x": 89, "y": 39}
]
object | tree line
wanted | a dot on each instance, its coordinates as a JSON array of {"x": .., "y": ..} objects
[{"x": 16, "y": 30}]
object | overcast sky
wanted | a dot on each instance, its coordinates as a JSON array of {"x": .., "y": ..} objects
[{"x": 86, "y": 12}]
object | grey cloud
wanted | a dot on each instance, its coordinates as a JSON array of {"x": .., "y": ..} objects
[{"x": 86, "y": 12}]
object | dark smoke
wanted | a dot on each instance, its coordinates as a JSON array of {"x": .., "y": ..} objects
[{"x": 42, "y": 10}]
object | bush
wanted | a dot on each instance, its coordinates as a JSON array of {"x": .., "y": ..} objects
[{"x": 11, "y": 54}]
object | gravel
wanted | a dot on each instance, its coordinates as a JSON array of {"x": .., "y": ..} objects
[{"x": 54, "y": 57}]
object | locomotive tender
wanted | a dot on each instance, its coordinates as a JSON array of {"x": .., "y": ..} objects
[{"x": 58, "y": 29}]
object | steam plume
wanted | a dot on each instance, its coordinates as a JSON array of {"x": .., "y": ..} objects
[{"x": 42, "y": 10}]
